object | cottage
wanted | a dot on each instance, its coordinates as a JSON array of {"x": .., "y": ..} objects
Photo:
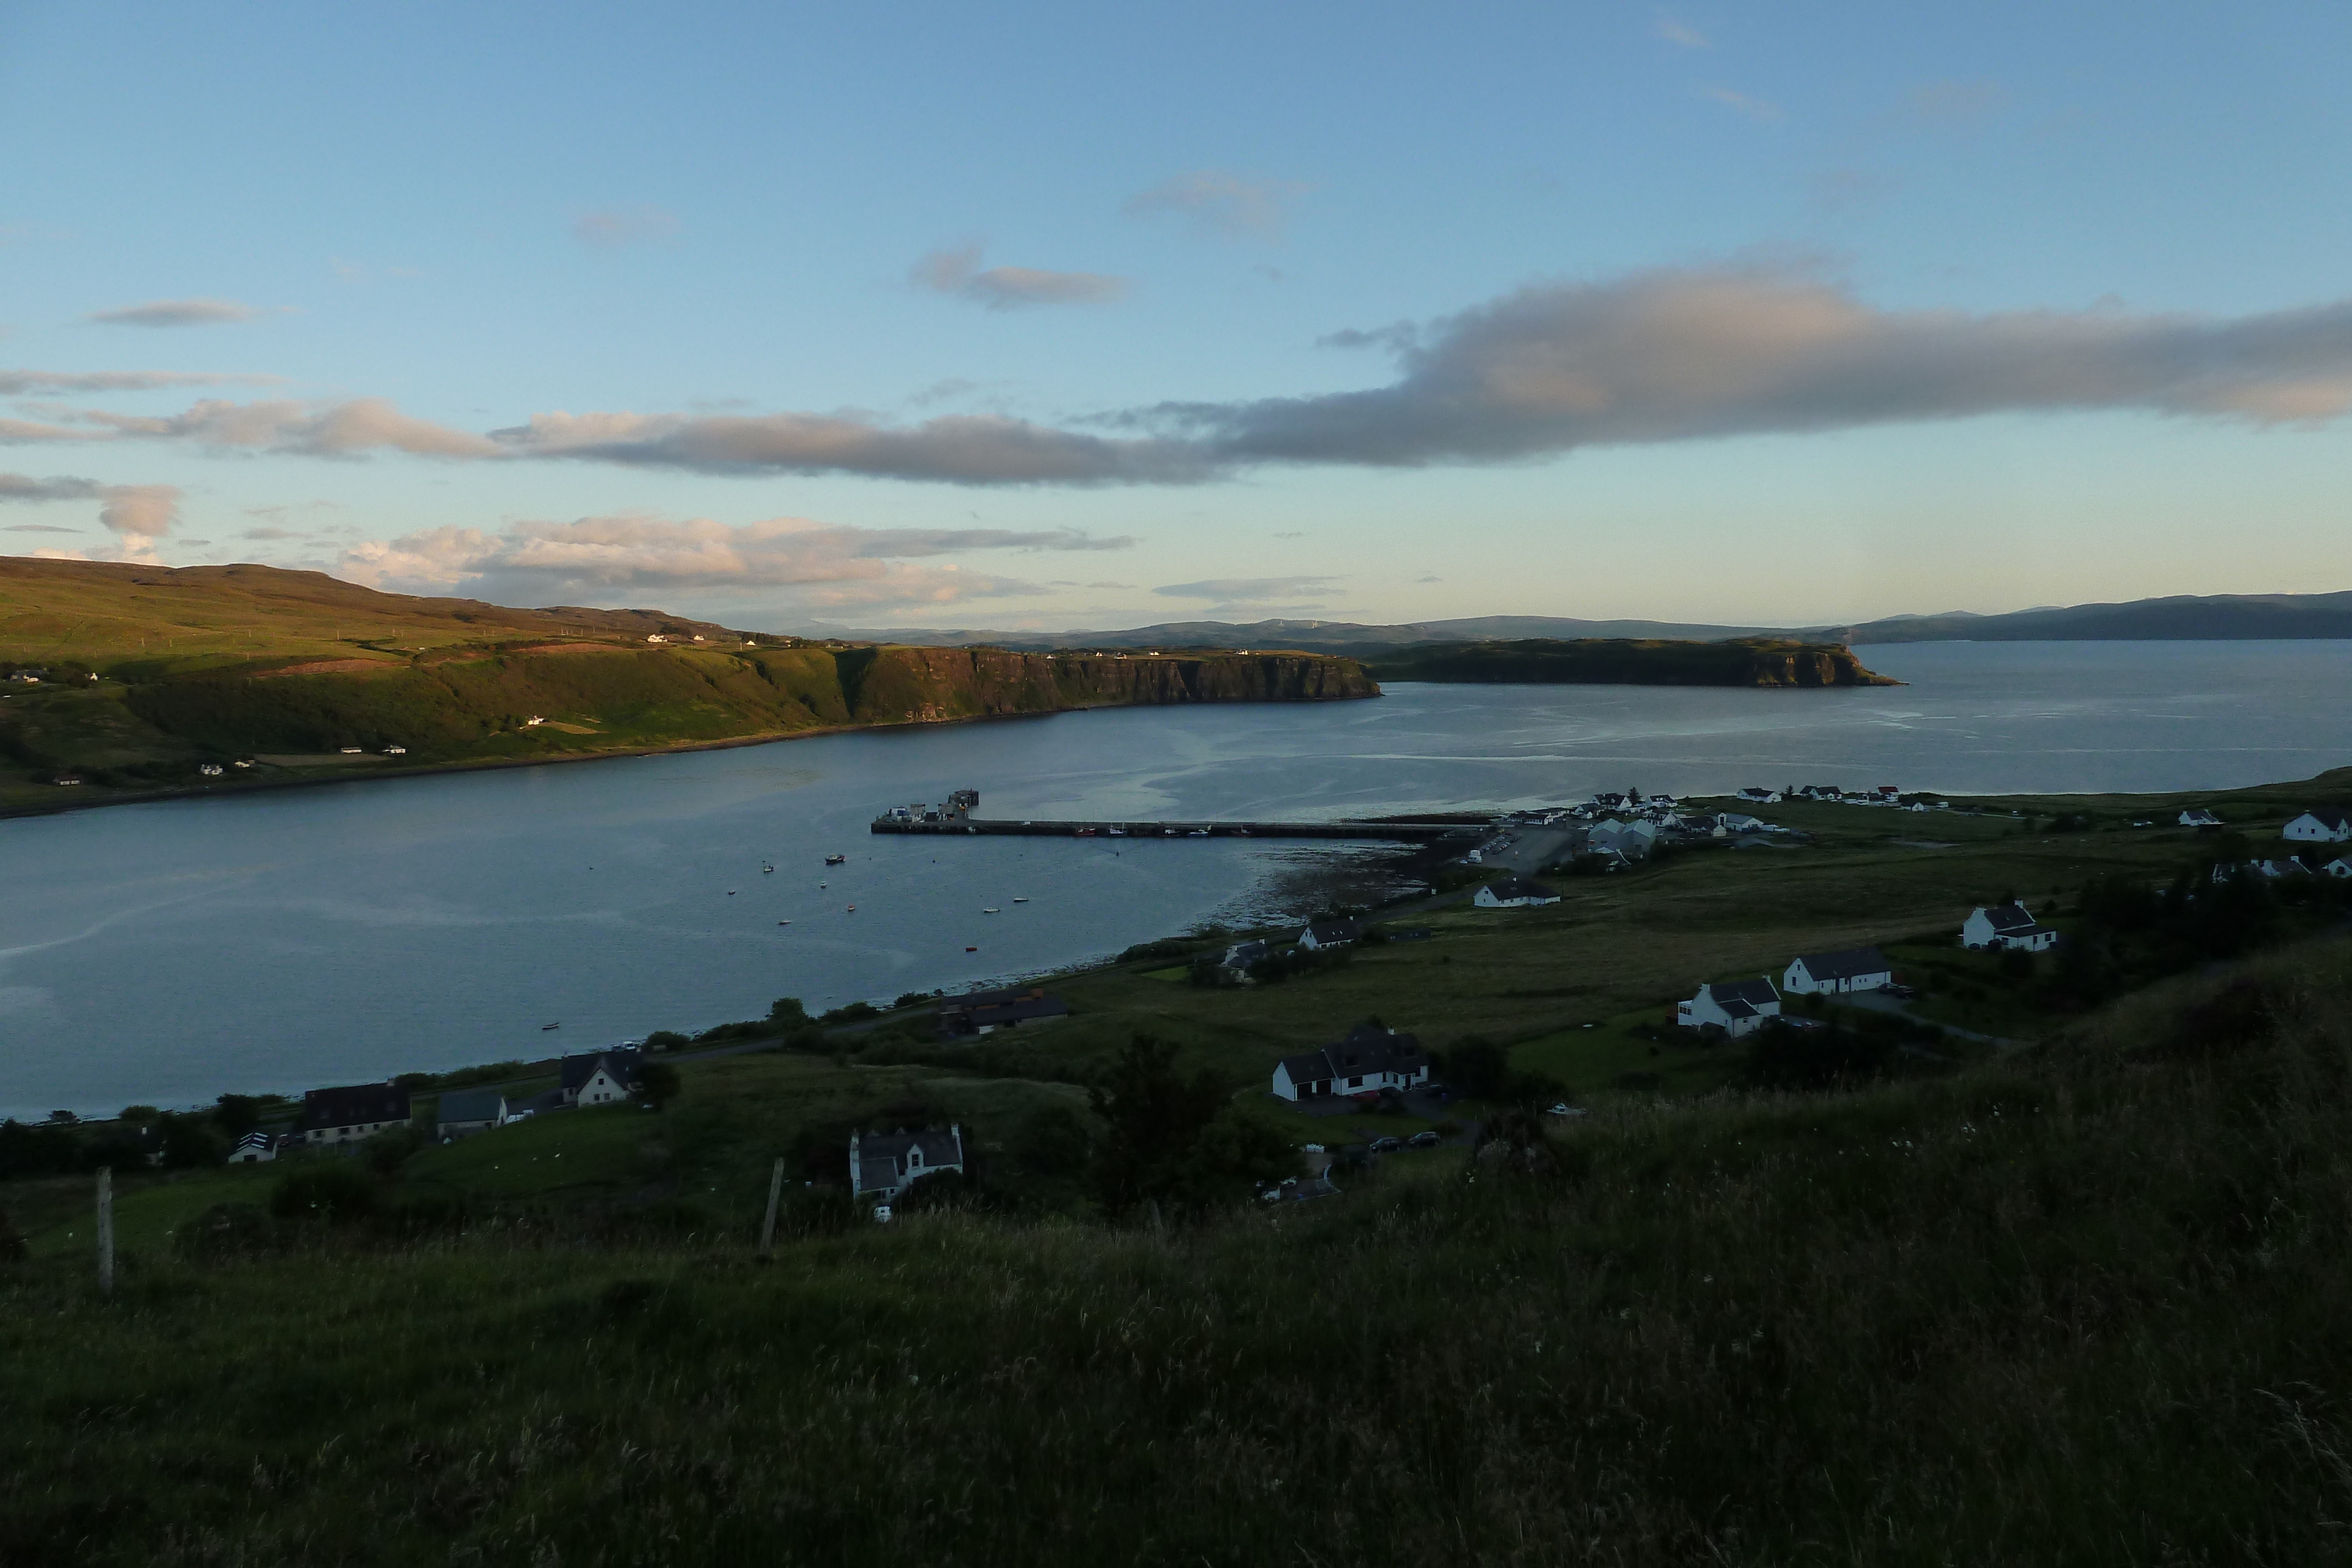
[
  {"x": 346, "y": 1114},
  {"x": 1242, "y": 954},
  {"x": 2328, "y": 826},
  {"x": 2274, "y": 870},
  {"x": 1513, "y": 892},
  {"x": 253, "y": 1149},
  {"x": 1328, "y": 933},
  {"x": 1759, "y": 795},
  {"x": 463, "y": 1111},
  {"x": 1854, "y": 969},
  {"x": 2340, "y": 867},
  {"x": 887, "y": 1164},
  {"x": 1735, "y": 1006},
  {"x": 598, "y": 1077},
  {"x": 1369, "y": 1060},
  {"x": 977, "y": 1013},
  {"x": 2008, "y": 927},
  {"x": 1734, "y": 823},
  {"x": 2199, "y": 816}
]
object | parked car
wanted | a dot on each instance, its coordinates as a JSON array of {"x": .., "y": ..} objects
[
  {"x": 1387, "y": 1145},
  {"x": 1562, "y": 1108},
  {"x": 1901, "y": 993},
  {"x": 1425, "y": 1139}
]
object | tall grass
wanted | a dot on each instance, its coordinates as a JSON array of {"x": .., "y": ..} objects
[{"x": 2082, "y": 1307}]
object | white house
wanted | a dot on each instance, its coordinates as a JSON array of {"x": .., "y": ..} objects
[
  {"x": 1760, "y": 797},
  {"x": 598, "y": 1077},
  {"x": 344, "y": 1116},
  {"x": 1328, "y": 933},
  {"x": 890, "y": 1163},
  {"x": 466, "y": 1110},
  {"x": 1632, "y": 839},
  {"x": 1513, "y": 892},
  {"x": 1855, "y": 970},
  {"x": 2199, "y": 816},
  {"x": 2341, "y": 866},
  {"x": 1366, "y": 1062},
  {"x": 2274, "y": 870},
  {"x": 1735, "y": 1006},
  {"x": 2322, "y": 827},
  {"x": 253, "y": 1149},
  {"x": 2007, "y": 926},
  {"x": 1732, "y": 822}
]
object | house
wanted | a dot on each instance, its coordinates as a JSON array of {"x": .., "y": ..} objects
[
  {"x": 1855, "y": 970},
  {"x": 1369, "y": 1060},
  {"x": 1760, "y": 797},
  {"x": 889, "y": 1163},
  {"x": 977, "y": 1013},
  {"x": 2274, "y": 870},
  {"x": 2007, "y": 926},
  {"x": 1735, "y": 1006},
  {"x": 2340, "y": 867},
  {"x": 2327, "y": 826},
  {"x": 1242, "y": 954},
  {"x": 1632, "y": 840},
  {"x": 348, "y": 1114},
  {"x": 1732, "y": 822},
  {"x": 1328, "y": 933},
  {"x": 2199, "y": 816},
  {"x": 598, "y": 1077},
  {"x": 466, "y": 1110},
  {"x": 253, "y": 1149},
  {"x": 1513, "y": 892}
]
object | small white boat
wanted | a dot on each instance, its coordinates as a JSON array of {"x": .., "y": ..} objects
[
  {"x": 784, "y": 922},
  {"x": 1020, "y": 900},
  {"x": 991, "y": 911}
]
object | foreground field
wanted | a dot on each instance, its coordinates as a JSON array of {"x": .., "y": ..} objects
[{"x": 2078, "y": 1306}]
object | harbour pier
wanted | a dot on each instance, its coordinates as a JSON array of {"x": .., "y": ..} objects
[{"x": 955, "y": 817}]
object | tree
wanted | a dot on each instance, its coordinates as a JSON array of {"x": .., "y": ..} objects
[
  {"x": 657, "y": 1084},
  {"x": 236, "y": 1116},
  {"x": 1051, "y": 1142},
  {"x": 1153, "y": 1115},
  {"x": 786, "y": 1013}
]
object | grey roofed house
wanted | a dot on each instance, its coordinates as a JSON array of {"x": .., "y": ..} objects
[
  {"x": 1369, "y": 1058},
  {"x": 981, "y": 1012},
  {"x": 888, "y": 1163},
  {"x": 2008, "y": 918},
  {"x": 1846, "y": 965},
  {"x": 1505, "y": 892},
  {"x": 620, "y": 1063},
  {"x": 1328, "y": 933},
  {"x": 1751, "y": 994},
  {"x": 352, "y": 1107},
  {"x": 469, "y": 1111},
  {"x": 1242, "y": 954}
]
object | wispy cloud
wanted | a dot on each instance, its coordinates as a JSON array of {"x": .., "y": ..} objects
[
  {"x": 176, "y": 313},
  {"x": 609, "y": 228},
  {"x": 1753, "y": 108},
  {"x": 138, "y": 514},
  {"x": 1676, "y": 31},
  {"x": 957, "y": 273},
  {"x": 1238, "y": 206},
  {"x": 1250, "y": 595},
  {"x": 82, "y": 383},
  {"x": 594, "y": 557}
]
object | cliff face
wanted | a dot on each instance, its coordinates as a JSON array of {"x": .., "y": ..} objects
[
  {"x": 1085, "y": 680},
  {"x": 1741, "y": 662}
]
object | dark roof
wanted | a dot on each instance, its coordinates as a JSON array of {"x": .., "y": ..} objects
[
  {"x": 1245, "y": 952},
  {"x": 1312, "y": 1068},
  {"x": 621, "y": 1061},
  {"x": 1331, "y": 931},
  {"x": 1018, "y": 1011},
  {"x": 1845, "y": 965},
  {"x": 471, "y": 1105},
  {"x": 354, "y": 1105},
  {"x": 1755, "y": 993},
  {"x": 1514, "y": 887},
  {"x": 1735, "y": 1008},
  {"x": 1369, "y": 1050},
  {"x": 2008, "y": 917},
  {"x": 990, "y": 998},
  {"x": 2331, "y": 817},
  {"x": 882, "y": 1156}
]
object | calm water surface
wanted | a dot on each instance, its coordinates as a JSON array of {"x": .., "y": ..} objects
[{"x": 167, "y": 952}]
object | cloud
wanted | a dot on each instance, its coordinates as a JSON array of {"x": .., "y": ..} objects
[
  {"x": 271, "y": 534},
  {"x": 594, "y": 557},
  {"x": 964, "y": 449},
  {"x": 284, "y": 425},
  {"x": 956, "y": 273},
  {"x": 1678, "y": 32},
  {"x": 175, "y": 313},
  {"x": 1246, "y": 590},
  {"x": 1753, "y": 108},
  {"x": 1429, "y": 580},
  {"x": 138, "y": 514},
  {"x": 37, "y": 528},
  {"x": 74, "y": 383},
  {"x": 612, "y": 227},
  {"x": 1235, "y": 205}
]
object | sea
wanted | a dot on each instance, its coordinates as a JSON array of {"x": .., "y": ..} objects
[{"x": 168, "y": 953}]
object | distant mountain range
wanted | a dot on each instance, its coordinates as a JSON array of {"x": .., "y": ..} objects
[{"x": 2227, "y": 617}]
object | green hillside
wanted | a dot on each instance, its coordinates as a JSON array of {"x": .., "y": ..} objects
[{"x": 147, "y": 676}]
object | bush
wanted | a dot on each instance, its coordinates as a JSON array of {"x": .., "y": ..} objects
[
  {"x": 334, "y": 1190},
  {"x": 1051, "y": 1142},
  {"x": 389, "y": 1150},
  {"x": 12, "y": 1242},
  {"x": 665, "y": 1039},
  {"x": 852, "y": 1012}
]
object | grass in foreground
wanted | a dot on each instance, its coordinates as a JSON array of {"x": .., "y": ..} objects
[{"x": 2081, "y": 1306}]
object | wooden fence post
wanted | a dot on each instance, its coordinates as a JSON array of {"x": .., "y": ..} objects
[
  {"x": 106, "y": 1230},
  {"x": 775, "y": 1191}
]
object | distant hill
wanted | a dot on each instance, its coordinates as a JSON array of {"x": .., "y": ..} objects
[
  {"x": 2182, "y": 618},
  {"x": 1629, "y": 662}
]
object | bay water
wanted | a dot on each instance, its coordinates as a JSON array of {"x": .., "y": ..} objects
[{"x": 166, "y": 953}]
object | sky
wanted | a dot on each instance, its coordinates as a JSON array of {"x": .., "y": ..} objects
[{"x": 1043, "y": 315}]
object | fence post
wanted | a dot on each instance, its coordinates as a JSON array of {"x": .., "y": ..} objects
[
  {"x": 106, "y": 1230},
  {"x": 775, "y": 1191}
]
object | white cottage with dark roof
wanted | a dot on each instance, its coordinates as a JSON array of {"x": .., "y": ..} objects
[
  {"x": 1368, "y": 1060},
  {"x": 350, "y": 1114},
  {"x": 1855, "y": 970},
  {"x": 2008, "y": 927},
  {"x": 1735, "y": 1006},
  {"x": 887, "y": 1164},
  {"x": 2328, "y": 826}
]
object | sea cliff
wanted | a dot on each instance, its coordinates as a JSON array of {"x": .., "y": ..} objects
[{"x": 1737, "y": 662}]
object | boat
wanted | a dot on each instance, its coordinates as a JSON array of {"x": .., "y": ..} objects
[
  {"x": 971, "y": 949},
  {"x": 1084, "y": 833},
  {"x": 853, "y": 909},
  {"x": 767, "y": 866},
  {"x": 545, "y": 1027},
  {"x": 1020, "y": 900},
  {"x": 836, "y": 860},
  {"x": 1118, "y": 832},
  {"x": 1198, "y": 833},
  {"x": 991, "y": 911},
  {"x": 784, "y": 922}
]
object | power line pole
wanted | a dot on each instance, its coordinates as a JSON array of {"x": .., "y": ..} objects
[
  {"x": 106, "y": 1230},
  {"x": 775, "y": 1191}
]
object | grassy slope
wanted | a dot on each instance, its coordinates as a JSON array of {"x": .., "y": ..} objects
[{"x": 2078, "y": 1307}]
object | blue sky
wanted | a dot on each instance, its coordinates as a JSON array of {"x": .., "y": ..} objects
[{"x": 1056, "y": 315}]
